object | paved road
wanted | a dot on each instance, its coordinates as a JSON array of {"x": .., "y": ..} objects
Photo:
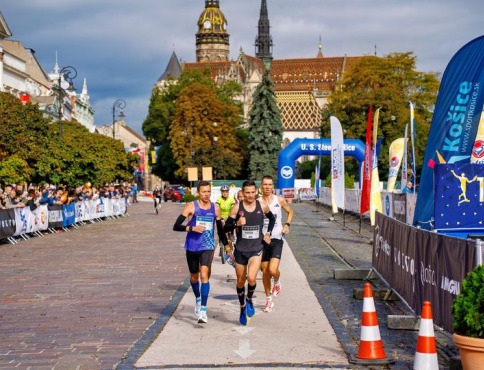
[{"x": 96, "y": 298}]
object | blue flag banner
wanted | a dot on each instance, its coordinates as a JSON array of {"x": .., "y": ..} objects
[
  {"x": 69, "y": 214},
  {"x": 455, "y": 120},
  {"x": 459, "y": 196}
]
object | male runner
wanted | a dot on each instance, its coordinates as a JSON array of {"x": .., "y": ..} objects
[
  {"x": 271, "y": 254},
  {"x": 157, "y": 194},
  {"x": 248, "y": 217},
  {"x": 202, "y": 215}
]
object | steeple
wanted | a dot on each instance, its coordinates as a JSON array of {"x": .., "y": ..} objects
[
  {"x": 263, "y": 41},
  {"x": 173, "y": 68},
  {"x": 212, "y": 39},
  {"x": 320, "y": 53}
]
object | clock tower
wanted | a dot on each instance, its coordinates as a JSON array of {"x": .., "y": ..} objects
[{"x": 212, "y": 39}]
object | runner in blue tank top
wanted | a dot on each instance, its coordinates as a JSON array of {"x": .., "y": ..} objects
[
  {"x": 248, "y": 217},
  {"x": 202, "y": 216}
]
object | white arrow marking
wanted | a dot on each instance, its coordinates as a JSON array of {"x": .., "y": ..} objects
[
  {"x": 242, "y": 329},
  {"x": 244, "y": 350}
]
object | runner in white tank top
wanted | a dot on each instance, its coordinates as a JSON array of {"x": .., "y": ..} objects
[{"x": 271, "y": 254}]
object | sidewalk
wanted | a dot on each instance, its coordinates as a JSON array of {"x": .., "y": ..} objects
[{"x": 296, "y": 332}]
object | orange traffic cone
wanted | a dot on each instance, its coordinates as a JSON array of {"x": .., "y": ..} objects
[
  {"x": 426, "y": 354},
  {"x": 371, "y": 346}
]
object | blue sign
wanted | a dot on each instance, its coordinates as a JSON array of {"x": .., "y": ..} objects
[
  {"x": 455, "y": 120},
  {"x": 459, "y": 196}
]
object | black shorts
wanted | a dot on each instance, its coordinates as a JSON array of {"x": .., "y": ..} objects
[
  {"x": 197, "y": 259},
  {"x": 242, "y": 258},
  {"x": 273, "y": 250}
]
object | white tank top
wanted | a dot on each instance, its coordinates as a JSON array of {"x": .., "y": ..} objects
[{"x": 275, "y": 208}]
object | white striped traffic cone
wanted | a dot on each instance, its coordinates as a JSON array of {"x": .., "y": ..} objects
[
  {"x": 426, "y": 354},
  {"x": 371, "y": 346}
]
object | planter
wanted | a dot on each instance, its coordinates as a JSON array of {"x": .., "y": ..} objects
[{"x": 471, "y": 351}]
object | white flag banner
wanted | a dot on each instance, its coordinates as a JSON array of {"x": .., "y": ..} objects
[
  {"x": 404, "y": 160},
  {"x": 337, "y": 166}
]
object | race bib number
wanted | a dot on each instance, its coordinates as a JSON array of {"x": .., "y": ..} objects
[
  {"x": 250, "y": 232},
  {"x": 206, "y": 222}
]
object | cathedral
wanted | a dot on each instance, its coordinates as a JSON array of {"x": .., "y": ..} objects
[{"x": 302, "y": 85}]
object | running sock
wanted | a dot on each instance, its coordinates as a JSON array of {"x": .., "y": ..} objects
[
  {"x": 250, "y": 291},
  {"x": 196, "y": 289},
  {"x": 241, "y": 295},
  {"x": 205, "y": 290}
]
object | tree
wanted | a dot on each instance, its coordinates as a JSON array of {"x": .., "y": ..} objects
[
  {"x": 265, "y": 131},
  {"x": 161, "y": 116},
  {"x": 203, "y": 132},
  {"x": 389, "y": 83}
]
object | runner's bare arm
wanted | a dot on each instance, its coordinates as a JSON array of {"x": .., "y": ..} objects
[{"x": 290, "y": 214}]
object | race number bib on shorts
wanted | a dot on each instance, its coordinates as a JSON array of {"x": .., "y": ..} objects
[
  {"x": 206, "y": 222},
  {"x": 250, "y": 232}
]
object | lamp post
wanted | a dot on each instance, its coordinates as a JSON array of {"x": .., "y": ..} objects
[
  {"x": 69, "y": 73},
  {"x": 121, "y": 104}
]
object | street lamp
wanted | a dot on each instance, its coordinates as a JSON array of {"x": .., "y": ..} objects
[
  {"x": 121, "y": 104},
  {"x": 69, "y": 73}
]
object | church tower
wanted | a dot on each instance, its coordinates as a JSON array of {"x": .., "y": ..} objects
[
  {"x": 212, "y": 39},
  {"x": 263, "y": 41}
]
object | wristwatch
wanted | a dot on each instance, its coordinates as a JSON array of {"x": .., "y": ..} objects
[
  {"x": 287, "y": 224},
  {"x": 190, "y": 228}
]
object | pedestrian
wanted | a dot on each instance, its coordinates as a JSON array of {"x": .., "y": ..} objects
[
  {"x": 202, "y": 215},
  {"x": 182, "y": 194},
  {"x": 271, "y": 254},
  {"x": 408, "y": 188},
  {"x": 134, "y": 189},
  {"x": 248, "y": 217}
]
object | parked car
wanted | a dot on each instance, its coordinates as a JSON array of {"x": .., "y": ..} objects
[{"x": 172, "y": 193}]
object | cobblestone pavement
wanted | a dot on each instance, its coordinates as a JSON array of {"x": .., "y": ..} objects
[
  {"x": 311, "y": 232},
  {"x": 88, "y": 298},
  {"x": 80, "y": 299}
]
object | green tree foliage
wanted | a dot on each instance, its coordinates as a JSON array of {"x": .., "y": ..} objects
[
  {"x": 203, "y": 132},
  {"x": 388, "y": 83},
  {"x": 265, "y": 131},
  {"x": 161, "y": 116},
  {"x": 30, "y": 144}
]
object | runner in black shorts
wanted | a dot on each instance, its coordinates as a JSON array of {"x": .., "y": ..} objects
[
  {"x": 271, "y": 257},
  {"x": 248, "y": 217},
  {"x": 202, "y": 216}
]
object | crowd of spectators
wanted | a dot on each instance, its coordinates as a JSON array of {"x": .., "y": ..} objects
[{"x": 12, "y": 195}]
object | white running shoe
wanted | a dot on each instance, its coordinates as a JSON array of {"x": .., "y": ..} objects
[
  {"x": 202, "y": 317},
  {"x": 198, "y": 305},
  {"x": 276, "y": 290},
  {"x": 268, "y": 306}
]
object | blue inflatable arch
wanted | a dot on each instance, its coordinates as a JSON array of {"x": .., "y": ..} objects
[{"x": 287, "y": 157}]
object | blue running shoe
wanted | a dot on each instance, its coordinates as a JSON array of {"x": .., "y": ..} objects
[
  {"x": 250, "y": 307},
  {"x": 244, "y": 320}
]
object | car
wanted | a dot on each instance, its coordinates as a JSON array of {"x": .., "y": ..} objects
[{"x": 172, "y": 193}]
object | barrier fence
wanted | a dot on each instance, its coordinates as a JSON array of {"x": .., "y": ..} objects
[{"x": 23, "y": 222}]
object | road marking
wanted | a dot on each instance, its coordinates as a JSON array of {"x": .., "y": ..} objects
[
  {"x": 244, "y": 350},
  {"x": 242, "y": 329}
]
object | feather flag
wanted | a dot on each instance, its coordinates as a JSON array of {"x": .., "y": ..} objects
[
  {"x": 404, "y": 160},
  {"x": 337, "y": 166},
  {"x": 395, "y": 156},
  {"x": 375, "y": 196},
  {"x": 412, "y": 137},
  {"x": 366, "y": 183}
]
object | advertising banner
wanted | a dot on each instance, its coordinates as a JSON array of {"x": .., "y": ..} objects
[
  {"x": 56, "y": 219},
  {"x": 337, "y": 166},
  {"x": 422, "y": 265},
  {"x": 289, "y": 193},
  {"x": 22, "y": 220},
  {"x": 395, "y": 156},
  {"x": 400, "y": 207},
  {"x": 404, "y": 180},
  {"x": 478, "y": 148},
  {"x": 7, "y": 223},
  {"x": 307, "y": 194},
  {"x": 68, "y": 214},
  {"x": 455, "y": 120},
  {"x": 39, "y": 219},
  {"x": 459, "y": 194}
]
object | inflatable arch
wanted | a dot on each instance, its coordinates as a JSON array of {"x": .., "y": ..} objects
[{"x": 287, "y": 157}]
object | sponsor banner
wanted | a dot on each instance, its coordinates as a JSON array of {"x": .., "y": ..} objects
[
  {"x": 307, "y": 194},
  {"x": 352, "y": 200},
  {"x": 79, "y": 209},
  {"x": 7, "y": 223},
  {"x": 422, "y": 265},
  {"x": 455, "y": 120},
  {"x": 337, "y": 166},
  {"x": 410, "y": 203},
  {"x": 22, "y": 220},
  {"x": 68, "y": 214},
  {"x": 404, "y": 180},
  {"x": 478, "y": 148},
  {"x": 387, "y": 203},
  {"x": 459, "y": 196},
  {"x": 100, "y": 210},
  {"x": 400, "y": 207},
  {"x": 395, "y": 156},
  {"x": 56, "y": 219},
  {"x": 289, "y": 193},
  {"x": 39, "y": 219}
]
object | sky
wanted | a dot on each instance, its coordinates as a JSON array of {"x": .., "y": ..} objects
[{"x": 123, "y": 46}]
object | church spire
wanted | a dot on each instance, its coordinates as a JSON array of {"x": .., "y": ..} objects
[{"x": 263, "y": 41}]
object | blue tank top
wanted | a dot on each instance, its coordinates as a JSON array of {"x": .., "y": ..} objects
[{"x": 196, "y": 242}]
